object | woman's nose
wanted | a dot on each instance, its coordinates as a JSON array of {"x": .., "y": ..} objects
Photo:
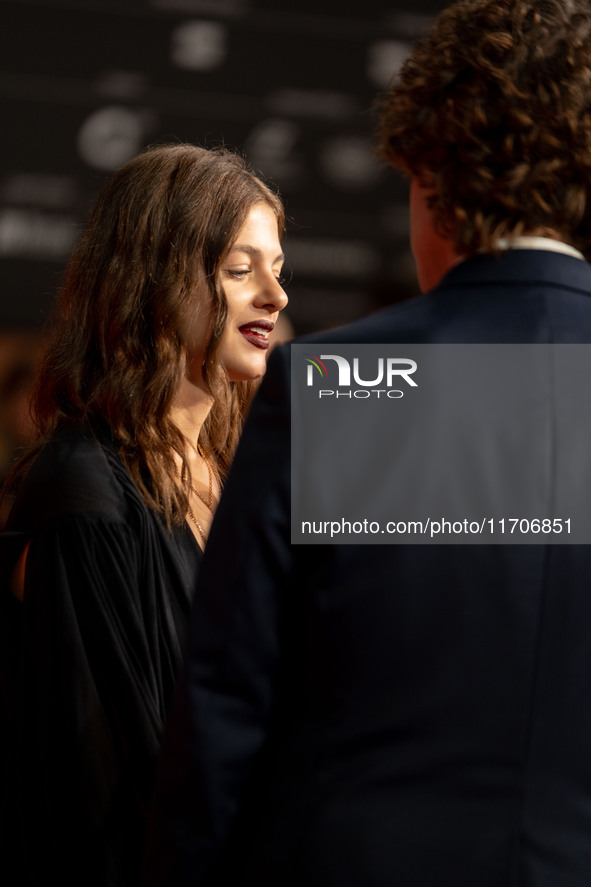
[{"x": 272, "y": 293}]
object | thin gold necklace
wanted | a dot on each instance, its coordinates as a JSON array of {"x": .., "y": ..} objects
[
  {"x": 200, "y": 529},
  {"x": 212, "y": 472}
]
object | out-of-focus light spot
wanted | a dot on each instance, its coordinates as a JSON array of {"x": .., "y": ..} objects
[
  {"x": 323, "y": 104},
  {"x": 348, "y": 163},
  {"x": 198, "y": 46},
  {"x": 384, "y": 60},
  {"x": 332, "y": 257},
  {"x": 271, "y": 147},
  {"x": 39, "y": 189},
  {"x": 110, "y": 137},
  {"x": 35, "y": 234}
]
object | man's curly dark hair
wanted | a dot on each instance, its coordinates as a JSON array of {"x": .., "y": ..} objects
[{"x": 493, "y": 110}]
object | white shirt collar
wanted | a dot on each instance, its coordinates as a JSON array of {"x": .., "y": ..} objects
[{"x": 534, "y": 242}]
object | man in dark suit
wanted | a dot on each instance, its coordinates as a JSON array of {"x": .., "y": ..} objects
[{"x": 411, "y": 715}]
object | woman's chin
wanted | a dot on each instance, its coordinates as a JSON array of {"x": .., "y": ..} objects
[
  {"x": 245, "y": 377},
  {"x": 246, "y": 373}
]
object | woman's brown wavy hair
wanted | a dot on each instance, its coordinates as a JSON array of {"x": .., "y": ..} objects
[
  {"x": 150, "y": 257},
  {"x": 493, "y": 110}
]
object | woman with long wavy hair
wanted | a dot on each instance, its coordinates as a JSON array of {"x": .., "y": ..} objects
[{"x": 159, "y": 332}]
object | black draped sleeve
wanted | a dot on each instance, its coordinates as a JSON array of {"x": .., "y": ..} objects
[{"x": 107, "y": 595}]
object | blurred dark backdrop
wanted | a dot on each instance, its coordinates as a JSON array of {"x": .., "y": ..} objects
[{"x": 85, "y": 84}]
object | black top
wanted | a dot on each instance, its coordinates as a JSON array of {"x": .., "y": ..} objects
[{"x": 100, "y": 639}]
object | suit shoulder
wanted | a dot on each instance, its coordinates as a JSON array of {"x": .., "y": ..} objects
[{"x": 407, "y": 321}]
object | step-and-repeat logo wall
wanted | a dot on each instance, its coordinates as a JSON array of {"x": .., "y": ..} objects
[{"x": 87, "y": 85}]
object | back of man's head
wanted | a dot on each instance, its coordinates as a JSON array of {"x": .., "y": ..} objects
[{"x": 493, "y": 111}]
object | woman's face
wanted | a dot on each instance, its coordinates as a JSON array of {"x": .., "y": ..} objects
[{"x": 250, "y": 277}]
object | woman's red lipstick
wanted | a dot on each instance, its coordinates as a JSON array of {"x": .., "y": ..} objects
[{"x": 257, "y": 332}]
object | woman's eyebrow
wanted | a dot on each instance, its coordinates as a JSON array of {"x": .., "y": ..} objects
[{"x": 254, "y": 251}]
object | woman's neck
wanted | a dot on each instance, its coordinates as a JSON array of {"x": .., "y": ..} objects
[{"x": 190, "y": 409}]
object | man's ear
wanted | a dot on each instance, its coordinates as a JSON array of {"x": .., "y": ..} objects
[{"x": 434, "y": 253}]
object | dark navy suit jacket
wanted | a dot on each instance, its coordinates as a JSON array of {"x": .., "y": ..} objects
[{"x": 386, "y": 715}]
